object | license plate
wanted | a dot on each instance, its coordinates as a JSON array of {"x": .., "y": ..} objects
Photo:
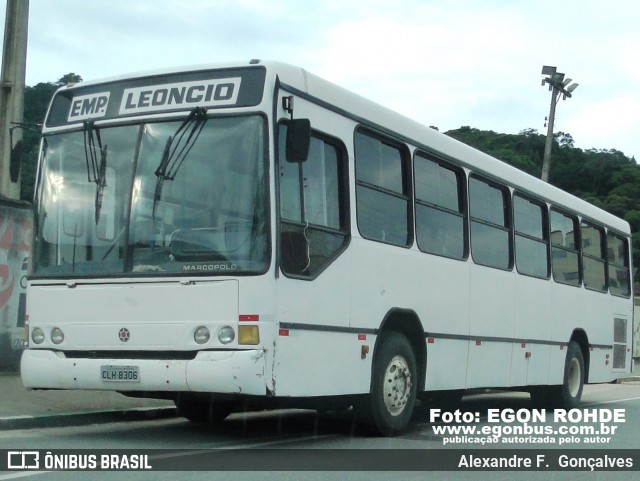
[{"x": 120, "y": 373}]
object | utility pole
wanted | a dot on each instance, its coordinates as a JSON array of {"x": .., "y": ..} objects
[
  {"x": 12, "y": 81},
  {"x": 558, "y": 88}
]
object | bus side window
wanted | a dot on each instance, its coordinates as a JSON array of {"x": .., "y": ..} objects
[
  {"x": 313, "y": 207},
  {"x": 382, "y": 190},
  {"x": 565, "y": 252},
  {"x": 593, "y": 256},
  {"x": 440, "y": 208},
  {"x": 618, "y": 257},
  {"x": 490, "y": 224},
  {"x": 532, "y": 244}
]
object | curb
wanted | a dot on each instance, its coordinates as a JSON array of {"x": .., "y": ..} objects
[{"x": 87, "y": 417}]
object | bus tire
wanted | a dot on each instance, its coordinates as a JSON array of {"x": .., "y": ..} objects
[
  {"x": 568, "y": 394},
  {"x": 203, "y": 410},
  {"x": 389, "y": 406},
  {"x": 574, "y": 374}
]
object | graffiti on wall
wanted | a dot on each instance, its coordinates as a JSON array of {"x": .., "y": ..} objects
[{"x": 16, "y": 228}]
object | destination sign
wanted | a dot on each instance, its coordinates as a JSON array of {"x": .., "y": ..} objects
[
  {"x": 173, "y": 92},
  {"x": 155, "y": 98}
]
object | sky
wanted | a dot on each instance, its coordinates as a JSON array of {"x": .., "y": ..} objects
[{"x": 444, "y": 63}]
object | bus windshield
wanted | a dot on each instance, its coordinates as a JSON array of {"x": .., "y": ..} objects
[{"x": 178, "y": 197}]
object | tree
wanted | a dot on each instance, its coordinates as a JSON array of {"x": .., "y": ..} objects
[{"x": 70, "y": 78}]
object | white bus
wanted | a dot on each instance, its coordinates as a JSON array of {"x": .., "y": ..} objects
[{"x": 250, "y": 233}]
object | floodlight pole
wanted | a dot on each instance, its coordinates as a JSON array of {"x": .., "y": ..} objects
[
  {"x": 546, "y": 159},
  {"x": 557, "y": 84}
]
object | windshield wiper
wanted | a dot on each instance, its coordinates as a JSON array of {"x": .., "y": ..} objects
[
  {"x": 91, "y": 136},
  {"x": 96, "y": 170},
  {"x": 177, "y": 149},
  {"x": 101, "y": 182}
]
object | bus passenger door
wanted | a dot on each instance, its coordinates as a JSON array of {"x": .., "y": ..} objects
[{"x": 313, "y": 285}]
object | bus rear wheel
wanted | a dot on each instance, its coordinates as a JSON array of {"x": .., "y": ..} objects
[
  {"x": 203, "y": 409},
  {"x": 569, "y": 393},
  {"x": 389, "y": 406}
]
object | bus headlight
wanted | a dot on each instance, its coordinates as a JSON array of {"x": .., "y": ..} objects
[
  {"x": 37, "y": 335},
  {"x": 226, "y": 335},
  {"x": 202, "y": 335},
  {"x": 57, "y": 336}
]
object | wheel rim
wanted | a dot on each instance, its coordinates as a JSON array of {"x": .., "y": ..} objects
[
  {"x": 397, "y": 385},
  {"x": 574, "y": 378}
]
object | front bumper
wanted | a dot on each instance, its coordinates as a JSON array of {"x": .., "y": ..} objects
[{"x": 229, "y": 372}]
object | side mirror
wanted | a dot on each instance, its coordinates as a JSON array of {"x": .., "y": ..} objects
[
  {"x": 298, "y": 140},
  {"x": 15, "y": 161}
]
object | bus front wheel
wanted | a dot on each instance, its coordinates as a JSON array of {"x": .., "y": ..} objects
[{"x": 389, "y": 406}]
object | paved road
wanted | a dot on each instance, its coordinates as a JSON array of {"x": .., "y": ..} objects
[{"x": 185, "y": 442}]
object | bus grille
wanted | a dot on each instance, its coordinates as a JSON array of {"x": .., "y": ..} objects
[{"x": 154, "y": 355}]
